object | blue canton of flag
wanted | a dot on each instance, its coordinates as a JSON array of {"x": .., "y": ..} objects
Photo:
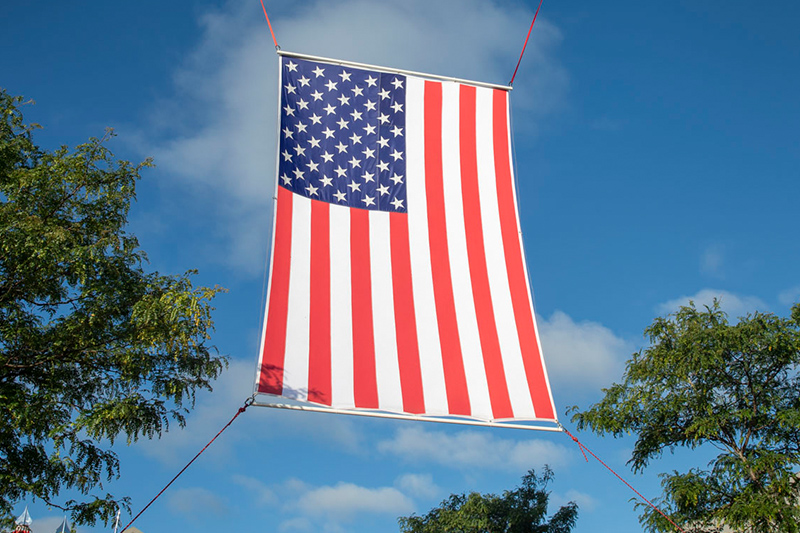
[{"x": 342, "y": 137}]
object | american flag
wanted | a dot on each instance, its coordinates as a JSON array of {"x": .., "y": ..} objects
[{"x": 398, "y": 280}]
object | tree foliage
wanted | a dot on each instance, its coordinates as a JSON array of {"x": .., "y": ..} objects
[
  {"x": 92, "y": 347},
  {"x": 735, "y": 386},
  {"x": 522, "y": 510}
]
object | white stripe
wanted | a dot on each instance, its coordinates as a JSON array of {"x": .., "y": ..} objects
[
  {"x": 505, "y": 323},
  {"x": 295, "y": 376},
  {"x": 525, "y": 265},
  {"x": 430, "y": 352},
  {"x": 387, "y": 367},
  {"x": 341, "y": 309},
  {"x": 459, "y": 259}
]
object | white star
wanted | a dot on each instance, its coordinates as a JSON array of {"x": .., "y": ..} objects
[
  {"x": 291, "y": 66},
  {"x": 330, "y": 109},
  {"x": 304, "y": 81},
  {"x": 398, "y": 107},
  {"x": 354, "y": 186},
  {"x": 312, "y": 166},
  {"x": 331, "y": 85},
  {"x": 383, "y": 165},
  {"x": 341, "y": 147},
  {"x": 326, "y": 181},
  {"x": 368, "y": 176},
  {"x": 383, "y": 142},
  {"x": 316, "y": 119},
  {"x": 298, "y": 174},
  {"x": 290, "y": 88},
  {"x": 328, "y": 133},
  {"x": 286, "y": 179},
  {"x": 327, "y": 157},
  {"x": 368, "y": 200},
  {"x": 397, "y": 203},
  {"x": 318, "y": 71},
  {"x": 344, "y": 75},
  {"x": 397, "y": 155},
  {"x": 397, "y": 83},
  {"x": 286, "y": 155},
  {"x": 370, "y": 105},
  {"x": 312, "y": 190},
  {"x": 356, "y": 115},
  {"x": 355, "y": 139},
  {"x": 302, "y": 104},
  {"x": 344, "y": 100},
  {"x": 357, "y": 91},
  {"x": 343, "y": 124},
  {"x": 289, "y": 111},
  {"x": 384, "y": 94},
  {"x": 355, "y": 162},
  {"x": 300, "y": 150},
  {"x": 383, "y": 118},
  {"x": 340, "y": 171},
  {"x": 339, "y": 196},
  {"x": 371, "y": 82},
  {"x": 397, "y": 131},
  {"x": 370, "y": 129},
  {"x": 396, "y": 179},
  {"x": 287, "y": 132},
  {"x": 317, "y": 95},
  {"x": 383, "y": 189},
  {"x": 368, "y": 152},
  {"x": 314, "y": 142},
  {"x": 301, "y": 127}
]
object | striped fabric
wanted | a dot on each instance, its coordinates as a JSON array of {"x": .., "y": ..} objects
[{"x": 422, "y": 308}]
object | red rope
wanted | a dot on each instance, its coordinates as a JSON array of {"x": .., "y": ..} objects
[
  {"x": 240, "y": 411},
  {"x": 270, "y": 26},
  {"x": 582, "y": 447},
  {"x": 526, "y": 43}
]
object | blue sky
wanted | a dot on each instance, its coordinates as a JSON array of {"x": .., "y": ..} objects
[{"x": 657, "y": 150}]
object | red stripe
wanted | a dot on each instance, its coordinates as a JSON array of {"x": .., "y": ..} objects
[
  {"x": 365, "y": 382},
  {"x": 319, "y": 335},
  {"x": 454, "y": 376},
  {"x": 520, "y": 298},
  {"x": 404, "y": 316},
  {"x": 271, "y": 377},
  {"x": 476, "y": 254}
]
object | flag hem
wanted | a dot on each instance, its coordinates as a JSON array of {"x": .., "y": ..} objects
[{"x": 388, "y": 70}]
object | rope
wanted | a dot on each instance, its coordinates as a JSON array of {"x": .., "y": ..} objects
[
  {"x": 270, "y": 26},
  {"x": 526, "y": 43},
  {"x": 241, "y": 410},
  {"x": 582, "y": 448}
]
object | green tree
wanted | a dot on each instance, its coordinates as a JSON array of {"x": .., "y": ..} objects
[
  {"x": 522, "y": 510},
  {"x": 92, "y": 347},
  {"x": 734, "y": 386}
]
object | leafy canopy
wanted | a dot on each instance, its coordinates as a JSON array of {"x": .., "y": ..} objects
[
  {"x": 92, "y": 347},
  {"x": 522, "y": 510},
  {"x": 735, "y": 386}
]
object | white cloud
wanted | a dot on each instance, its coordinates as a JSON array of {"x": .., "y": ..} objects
[
  {"x": 790, "y": 296},
  {"x": 581, "y": 355},
  {"x": 195, "y": 501},
  {"x": 732, "y": 304},
  {"x": 255, "y": 487},
  {"x": 472, "y": 449},
  {"x": 418, "y": 485},
  {"x": 585, "y": 501},
  {"x": 346, "y": 499},
  {"x": 217, "y": 132}
]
